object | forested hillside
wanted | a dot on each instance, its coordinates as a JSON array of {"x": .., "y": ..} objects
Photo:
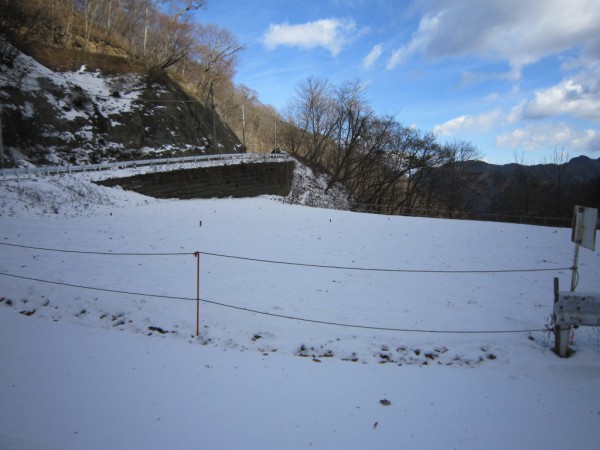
[{"x": 176, "y": 71}]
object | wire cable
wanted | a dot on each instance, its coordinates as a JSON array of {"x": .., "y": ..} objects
[
  {"x": 291, "y": 263},
  {"x": 376, "y": 269},
  {"x": 85, "y": 252},
  {"x": 281, "y": 316}
]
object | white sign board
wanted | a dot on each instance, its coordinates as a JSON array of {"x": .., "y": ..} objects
[
  {"x": 577, "y": 308},
  {"x": 585, "y": 221}
]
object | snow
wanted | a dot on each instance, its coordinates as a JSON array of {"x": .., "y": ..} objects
[
  {"x": 113, "y": 94},
  {"x": 94, "y": 369}
]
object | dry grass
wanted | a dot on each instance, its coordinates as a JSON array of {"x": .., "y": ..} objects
[{"x": 68, "y": 59}]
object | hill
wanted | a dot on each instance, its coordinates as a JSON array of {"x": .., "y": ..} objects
[
  {"x": 88, "y": 116},
  {"x": 541, "y": 190}
]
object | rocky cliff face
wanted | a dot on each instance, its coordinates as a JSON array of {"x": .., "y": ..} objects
[{"x": 85, "y": 116}]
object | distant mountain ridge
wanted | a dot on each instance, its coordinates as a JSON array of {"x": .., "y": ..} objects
[
  {"x": 579, "y": 169},
  {"x": 549, "y": 190}
]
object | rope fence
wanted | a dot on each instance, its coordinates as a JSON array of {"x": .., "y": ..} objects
[
  {"x": 197, "y": 254},
  {"x": 297, "y": 264},
  {"x": 281, "y": 316},
  {"x": 86, "y": 252}
]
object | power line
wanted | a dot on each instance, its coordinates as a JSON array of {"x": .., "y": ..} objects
[
  {"x": 281, "y": 316},
  {"x": 291, "y": 263}
]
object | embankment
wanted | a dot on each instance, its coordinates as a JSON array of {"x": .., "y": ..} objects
[{"x": 237, "y": 180}]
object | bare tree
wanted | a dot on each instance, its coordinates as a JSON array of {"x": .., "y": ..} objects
[
  {"x": 216, "y": 53},
  {"x": 90, "y": 10},
  {"x": 455, "y": 184},
  {"x": 352, "y": 117},
  {"x": 422, "y": 156},
  {"x": 182, "y": 8},
  {"x": 376, "y": 166},
  {"x": 497, "y": 187},
  {"x": 381, "y": 162},
  {"x": 557, "y": 169},
  {"x": 314, "y": 113},
  {"x": 523, "y": 186},
  {"x": 169, "y": 43}
]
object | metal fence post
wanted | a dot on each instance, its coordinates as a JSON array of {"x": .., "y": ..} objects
[
  {"x": 561, "y": 335},
  {"x": 197, "y": 255}
]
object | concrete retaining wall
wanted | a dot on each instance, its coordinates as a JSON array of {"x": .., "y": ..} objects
[{"x": 236, "y": 180}]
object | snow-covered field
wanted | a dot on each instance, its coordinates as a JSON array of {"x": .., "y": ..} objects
[{"x": 96, "y": 369}]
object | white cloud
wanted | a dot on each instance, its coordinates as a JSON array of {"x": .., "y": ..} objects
[
  {"x": 372, "y": 57},
  {"x": 506, "y": 30},
  {"x": 578, "y": 96},
  {"x": 555, "y": 135},
  {"x": 482, "y": 122},
  {"x": 453, "y": 125},
  {"x": 427, "y": 27},
  {"x": 331, "y": 34},
  {"x": 516, "y": 113}
]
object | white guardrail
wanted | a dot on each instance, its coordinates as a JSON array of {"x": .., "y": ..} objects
[{"x": 17, "y": 173}]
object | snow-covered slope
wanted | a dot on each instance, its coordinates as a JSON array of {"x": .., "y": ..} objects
[
  {"x": 77, "y": 194},
  {"x": 293, "y": 355},
  {"x": 86, "y": 116}
]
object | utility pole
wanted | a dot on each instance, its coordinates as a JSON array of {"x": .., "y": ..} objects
[
  {"x": 244, "y": 128},
  {"x": 212, "y": 102}
]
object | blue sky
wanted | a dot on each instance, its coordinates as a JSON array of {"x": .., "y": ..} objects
[{"x": 519, "y": 79}]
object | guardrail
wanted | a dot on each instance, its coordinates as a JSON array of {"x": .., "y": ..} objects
[{"x": 27, "y": 172}]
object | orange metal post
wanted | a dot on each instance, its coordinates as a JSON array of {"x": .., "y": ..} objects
[{"x": 197, "y": 255}]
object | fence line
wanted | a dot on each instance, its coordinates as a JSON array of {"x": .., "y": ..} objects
[
  {"x": 463, "y": 215},
  {"x": 437, "y": 213},
  {"x": 375, "y": 269},
  {"x": 88, "y": 252},
  {"x": 291, "y": 263},
  {"x": 27, "y": 172},
  {"x": 281, "y": 316}
]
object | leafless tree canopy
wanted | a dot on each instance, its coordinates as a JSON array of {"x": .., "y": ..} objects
[{"x": 383, "y": 163}]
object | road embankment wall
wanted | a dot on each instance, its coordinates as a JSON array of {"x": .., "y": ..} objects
[{"x": 236, "y": 180}]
